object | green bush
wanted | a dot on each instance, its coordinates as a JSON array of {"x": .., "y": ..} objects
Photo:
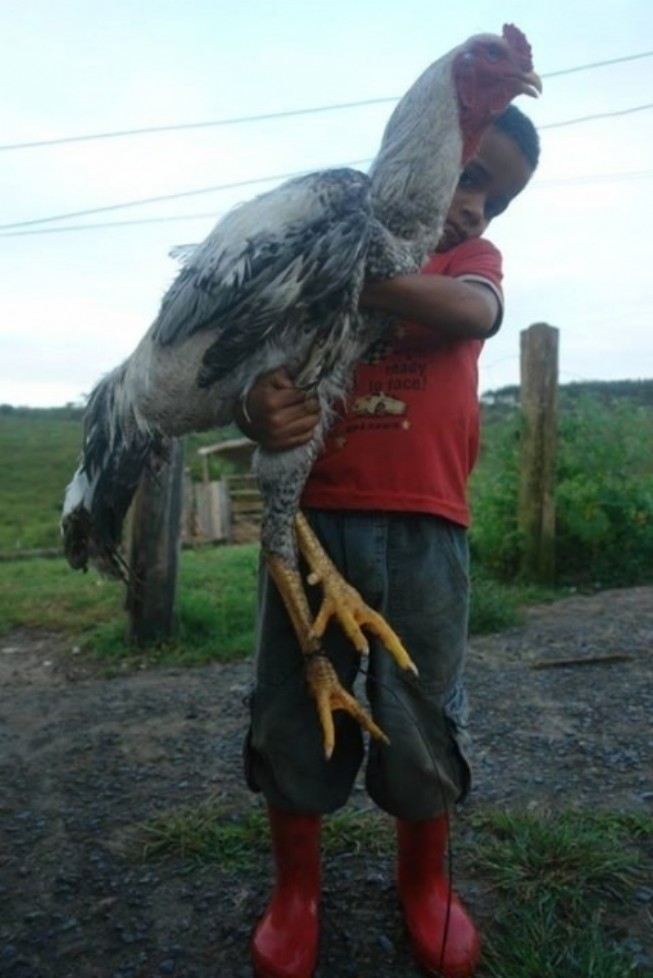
[
  {"x": 494, "y": 539},
  {"x": 603, "y": 493}
]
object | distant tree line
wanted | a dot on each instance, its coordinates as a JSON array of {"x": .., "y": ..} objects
[
  {"x": 607, "y": 391},
  {"x": 68, "y": 412}
]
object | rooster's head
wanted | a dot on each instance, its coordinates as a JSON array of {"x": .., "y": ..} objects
[{"x": 489, "y": 71}]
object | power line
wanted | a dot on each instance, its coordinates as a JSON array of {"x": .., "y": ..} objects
[
  {"x": 212, "y": 123},
  {"x": 599, "y": 115},
  {"x": 597, "y": 64},
  {"x": 114, "y": 224},
  {"x": 156, "y": 200},
  {"x": 279, "y": 176},
  {"x": 562, "y": 181},
  {"x": 267, "y": 116}
]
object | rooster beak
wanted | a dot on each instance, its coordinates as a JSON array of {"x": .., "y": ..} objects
[{"x": 530, "y": 84}]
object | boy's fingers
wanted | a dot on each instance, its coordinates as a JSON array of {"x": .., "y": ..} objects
[
  {"x": 291, "y": 426},
  {"x": 281, "y": 381},
  {"x": 280, "y": 378},
  {"x": 290, "y": 434},
  {"x": 293, "y": 403},
  {"x": 305, "y": 408},
  {"x": 289, "y": 398}
]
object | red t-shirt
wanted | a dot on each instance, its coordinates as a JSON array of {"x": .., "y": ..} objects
[{"x": 409, "y": 438}]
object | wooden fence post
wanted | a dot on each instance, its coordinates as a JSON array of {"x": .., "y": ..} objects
[
  {"x": 539, "y": 407},
  {"x": 154, "y": 547}
]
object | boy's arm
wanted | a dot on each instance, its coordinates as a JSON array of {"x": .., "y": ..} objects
[
  {"x": 456, "y": 308},
  {"x": 279, "y": 417}
]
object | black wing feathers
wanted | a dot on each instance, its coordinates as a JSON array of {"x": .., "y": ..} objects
[
  {"x": 268, "y": 265},
  {"x": 319, "y": 283}
]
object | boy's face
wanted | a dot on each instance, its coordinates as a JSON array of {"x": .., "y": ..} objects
[{"x": 490, "y": 180}]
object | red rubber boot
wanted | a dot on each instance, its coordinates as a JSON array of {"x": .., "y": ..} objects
[
  {"x": 285, "y": 941},
  {"x": 444, "y": 938}
]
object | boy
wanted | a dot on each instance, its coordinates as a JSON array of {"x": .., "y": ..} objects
[{"x": 387, "y": 498}]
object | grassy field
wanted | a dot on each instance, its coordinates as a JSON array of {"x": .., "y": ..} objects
[
  {"x": 216, "y": 606},
  {"x": 39, "y": 457},
  {"x": 39, "y": 452}
]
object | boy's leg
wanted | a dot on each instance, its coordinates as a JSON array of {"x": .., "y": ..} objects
[
  {"x": 284, "y": 756},
  {"x": 285, "y": 941},
  {"x": 284, "y": 759},
  {"x": 397, "y": 573},
  {"x": 424, "y": 770},
  {"x": 413, "y": 569},
  {"x": 443, "y": 937}
]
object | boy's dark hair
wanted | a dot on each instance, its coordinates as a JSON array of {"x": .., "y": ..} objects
[{"x": 520, "y": 129}]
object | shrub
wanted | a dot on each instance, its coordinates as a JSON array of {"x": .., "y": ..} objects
[
  {"x": 604, "y": 495},
  {"x": 494, "y": 539}
]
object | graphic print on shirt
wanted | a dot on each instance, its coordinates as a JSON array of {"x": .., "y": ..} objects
[{"x": 385, "y": 374}]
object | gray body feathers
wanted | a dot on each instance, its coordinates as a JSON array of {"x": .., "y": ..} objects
[{"x": 276, "y": 282}]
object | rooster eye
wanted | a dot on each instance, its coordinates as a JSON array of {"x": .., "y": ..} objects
[{"x": 493, "y": 52}]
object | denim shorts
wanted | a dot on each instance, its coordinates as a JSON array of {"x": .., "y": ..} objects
[{"x": 414, "y": 570}]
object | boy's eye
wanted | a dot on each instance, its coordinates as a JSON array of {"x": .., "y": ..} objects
[{"x": 466, "y": 179}]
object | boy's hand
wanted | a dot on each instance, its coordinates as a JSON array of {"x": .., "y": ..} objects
[{"x": 281, "y": 417}]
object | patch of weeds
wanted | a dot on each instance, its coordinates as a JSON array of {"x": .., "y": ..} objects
[
  {"x": 554, "y": 884},
  {"x": 537, "y": 943},
  {"x": 555, "y": 881},
  {"x": 572, "y": 855},
  {"x": 496, "y": 606},
  {"x": 217, "y": 608},
  {"x": 208, "y": 832}
]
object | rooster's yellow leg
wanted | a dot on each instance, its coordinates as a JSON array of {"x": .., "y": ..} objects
[
  {"x": 323, "y": 682},
  {"x": 343, "y": 602}
]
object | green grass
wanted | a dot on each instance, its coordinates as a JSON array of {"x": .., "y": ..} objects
[
  {"x": 46, "y": 594},
  {"x": 204, "y": 833},
  {"x": 217, "y": 612},
  {"x": 555, "y": 886},
  {"x": 40, "y": 451},
  {"x": 559, "y": 887},
  {"x": 209, "y": 833},
  {"x": 39, "y": 457},
  {"x": 573, "y": 856},
  {"x": 217, "y": 598}
]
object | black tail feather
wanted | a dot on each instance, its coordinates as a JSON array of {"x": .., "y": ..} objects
[{"x": 117, "y": 451}]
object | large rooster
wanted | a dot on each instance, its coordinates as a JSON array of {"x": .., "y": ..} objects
[{"x": 277, "y": 282}]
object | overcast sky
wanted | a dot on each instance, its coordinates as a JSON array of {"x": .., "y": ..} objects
[{"x": 73, "y": 303}]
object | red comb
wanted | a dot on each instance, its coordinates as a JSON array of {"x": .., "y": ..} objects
[{"x": 519, "y": 44}]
